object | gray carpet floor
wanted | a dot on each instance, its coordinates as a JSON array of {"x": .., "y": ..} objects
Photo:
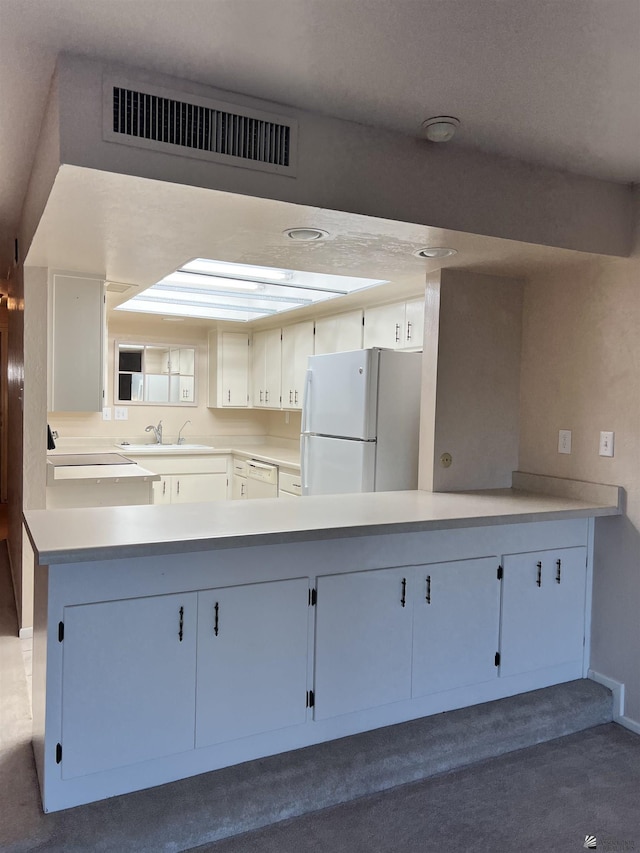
[{"x": 544, "y": 798}]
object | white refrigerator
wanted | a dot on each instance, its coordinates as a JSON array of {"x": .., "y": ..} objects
[{"x": 360, "y": 422}]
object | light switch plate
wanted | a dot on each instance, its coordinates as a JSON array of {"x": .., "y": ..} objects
[
  {"x": 564, "y": 441},
  {"x": 106, "y": 413},
  {"x": 606, "y": 443},
  {"x": 122, "y": 413}
]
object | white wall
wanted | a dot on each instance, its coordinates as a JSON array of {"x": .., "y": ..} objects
[{"x": 581, "y": 371}]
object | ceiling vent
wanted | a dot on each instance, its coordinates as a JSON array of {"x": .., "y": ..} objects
[
  {"x": 162, "y": 120},
  {"x": 119, "y": 286}
]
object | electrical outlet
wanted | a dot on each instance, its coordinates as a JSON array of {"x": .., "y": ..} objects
[
  {"x": 606, "y": 443},
  {"x": 122, "y": 413},
  {"x": 106, "y": 413},
  {"x": 564, "y": 441}
]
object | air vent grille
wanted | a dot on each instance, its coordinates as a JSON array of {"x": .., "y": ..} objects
[{"x": 199, "y": 128}]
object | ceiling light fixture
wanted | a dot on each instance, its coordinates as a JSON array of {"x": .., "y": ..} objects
[
  {"x": 440, "y": 128},
  {"x": 190, "y": 279},
  {"x": 435, "y": 252},
  {"x": 306, "y": 235}
]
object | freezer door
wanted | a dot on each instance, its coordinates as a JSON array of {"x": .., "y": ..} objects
[
  {"x": 332, "y": 466},
  {"x": 341, "y": 394}
]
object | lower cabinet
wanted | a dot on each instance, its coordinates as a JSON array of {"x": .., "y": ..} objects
[
  {"x": 543, "y": 609},
  {"x": 128, "y": 681},
  {"x": 252, "y": 659},
  {"x": 190, "y": 488},
  {"x": 363, "y": 641},
  {"x": 456, "y": 620}
]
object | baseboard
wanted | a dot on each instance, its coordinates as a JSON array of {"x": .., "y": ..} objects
[
  {"x": 630, "y": 724},
  {"x": 617, "y": 690},
  {"x": 25, "y": 633}
]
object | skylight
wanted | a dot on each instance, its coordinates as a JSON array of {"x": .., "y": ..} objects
[{"x": 217, "y": 290}]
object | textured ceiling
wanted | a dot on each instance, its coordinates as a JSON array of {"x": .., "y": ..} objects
[{"x": 555, "y": 82}]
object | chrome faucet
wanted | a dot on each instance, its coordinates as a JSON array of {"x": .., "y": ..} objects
[
  {"x": 157, "y": 431},
  {"x": 180, "y": 438}
]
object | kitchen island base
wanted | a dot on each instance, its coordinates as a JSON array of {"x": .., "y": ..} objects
[{"x": 148, "y": 669}]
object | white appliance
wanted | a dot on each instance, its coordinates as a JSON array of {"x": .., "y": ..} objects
[
  {"x": 262, "y": 480},
  {"x": 360, "y": 422}
]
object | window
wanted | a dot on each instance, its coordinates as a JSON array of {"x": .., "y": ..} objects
[{"x": 155, "y": 374}]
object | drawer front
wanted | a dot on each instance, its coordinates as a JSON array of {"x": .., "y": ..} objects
[
  {"x": 240, "y": 467},
  {"x": 290, "y": 483}
]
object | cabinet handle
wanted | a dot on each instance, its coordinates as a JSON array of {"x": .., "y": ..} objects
[
  {"x": 558, "y": 568},
  {"x": 403, "y": 600},
  {"x": 229, "y": 395},
  {"x": 295, "y": 398},
  {"x": 397, "y": 332},
  {"x": 216, "y": 609},
  {"x": 241, "y": 490},
  {"x": 266, "y": 396},
  {"x": 409, "y": 331},
  {"x": 290, "y": 396},
  {"x": 181, "y": 624},
  {"x": 178, "y": 489},
  {"x": 428, "y": 596},
  {"x": 539, "y": 579},
  {"x": 164, "y": 488},
  {"x": 261, "y": 396}
]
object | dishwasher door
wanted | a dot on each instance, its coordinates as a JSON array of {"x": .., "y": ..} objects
[{"x": 262, "y": 480}]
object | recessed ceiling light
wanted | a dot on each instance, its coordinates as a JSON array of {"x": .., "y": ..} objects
[
  {"x": 440, "y": 128},
  {"x": 306, "y": 235},
  {"x": 435, "y": 252}
]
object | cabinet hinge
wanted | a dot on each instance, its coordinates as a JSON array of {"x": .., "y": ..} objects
[
  {"x": 363, "y": 319},
  {"x": 311, "y": 699},
  {"x": 313, "y": 597},
  {"x": 500, "y": 573},
  {"x": 497, "y": 659},
  {"x": 58, "y": 753},
  {"x": 60, "y": 631},
  {"x": 16, "y": 251}
]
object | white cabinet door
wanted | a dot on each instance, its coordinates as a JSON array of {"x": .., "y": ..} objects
[
  {"x": 197, "y": 488},
  {"x": 252, "y": 659},
  {"x": 77, "y": 336},
  {"x": 229, "y": 369},
  {"x": 384, "y": 326},
  {"x": 128, "y": 682},
  {"x": 239, "y": 491},
  {"x": 543, "y": 604},
  {"x": 162, "y": 489},
  {"x": 273, "y": 368},
  {"x": 413, "y": 332},
  {"x": 259, "y": 369},
  {"x": 340, "y": 333},
  {"x": 363, "y": 641},
  {"x": 456, "y": 611},
  {"x": 297, "y": 346}
]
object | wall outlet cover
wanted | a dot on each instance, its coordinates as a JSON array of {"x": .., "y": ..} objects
[
  {"x": 122, "y": 413},
  {"x": 564, "y": 441},
  {"x": 106, "y": 413},
  {"x": 606, "y": 443}
]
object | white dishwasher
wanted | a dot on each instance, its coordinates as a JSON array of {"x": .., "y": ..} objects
[{"x": 262, "y": 480}]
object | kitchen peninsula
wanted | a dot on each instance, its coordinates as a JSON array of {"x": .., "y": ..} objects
[{"x": 169, "y": 641}]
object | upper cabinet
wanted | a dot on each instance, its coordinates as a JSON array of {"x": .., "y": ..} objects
[
  {"x": 340, "y": 333},
  {"x": 229, "y": 369},
  {"x": 297, "y": 346},
  {"x": 76, "y": 344},
  {"x": 396, "y": 326},
  {"x": 266, "y": 369}
]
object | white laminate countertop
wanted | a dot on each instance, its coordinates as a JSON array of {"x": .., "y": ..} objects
[{"x": 77, "y": 535}]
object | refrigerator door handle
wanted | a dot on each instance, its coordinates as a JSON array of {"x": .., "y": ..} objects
[
  {"x": 304, "y": 463},
  {"x": 305, "y": 403}
]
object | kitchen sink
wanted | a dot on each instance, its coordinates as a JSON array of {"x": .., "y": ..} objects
[{"x": 161, "y": 448}]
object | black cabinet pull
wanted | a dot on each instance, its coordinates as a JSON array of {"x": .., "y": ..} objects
[
  {"x": 403, "y": 600},
  {"x": 558, "y": 570},
  {"x": 539, "y": 580},
  {"x": 216, "y": 608},
  {"x": 428, "y": 589},
  {"x": 181, "y": 625}
]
